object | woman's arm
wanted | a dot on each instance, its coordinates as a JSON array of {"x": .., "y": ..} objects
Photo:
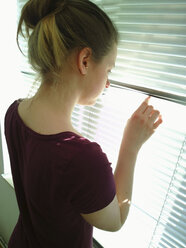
[{"x": 139, "y": 128}]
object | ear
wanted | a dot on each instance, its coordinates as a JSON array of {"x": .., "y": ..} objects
[{"x": 83, "y": 60}]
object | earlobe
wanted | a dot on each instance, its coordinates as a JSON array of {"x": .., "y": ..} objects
[
  {"x": 83, "y": 71},
  {"x": 84, "y": 57}
]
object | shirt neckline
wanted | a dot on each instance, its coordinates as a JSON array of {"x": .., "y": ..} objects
[{"x": 44, "y": 136}]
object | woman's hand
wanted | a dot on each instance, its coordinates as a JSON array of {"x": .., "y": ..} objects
[{"x": 141, "y": 126}]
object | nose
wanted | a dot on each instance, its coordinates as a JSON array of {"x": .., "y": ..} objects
[{"x": 107, "y": 84}]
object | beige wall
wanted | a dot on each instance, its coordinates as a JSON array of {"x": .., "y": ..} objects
[
  {"x": 8, "y": 205},
  {"x": 8, "y": 209}
]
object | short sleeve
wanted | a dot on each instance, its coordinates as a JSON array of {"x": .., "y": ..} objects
[{"x": 91, "y": 183}]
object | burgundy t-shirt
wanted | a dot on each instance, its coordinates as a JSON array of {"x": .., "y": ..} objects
[{"x": 56, "y": 177}]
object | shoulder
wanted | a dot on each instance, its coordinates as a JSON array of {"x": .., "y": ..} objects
[
  {"x": 90, "y": 179},
  {"x": 12, "y": 111},
  {"x": 11, "y": 114},
  {"x": 12, "y": 107},
  {"x": 91, "y": 165},
  {"x": 90, "y": 153}
]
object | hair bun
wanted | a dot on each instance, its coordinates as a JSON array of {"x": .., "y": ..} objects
[
  {"x": 56, "y": 28},
  {"x": 35, "y": 10}
]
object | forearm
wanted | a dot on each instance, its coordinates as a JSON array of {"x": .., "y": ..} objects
[
  {"x": 123, "y": 175},
  {"x": 138, "y": 130}
]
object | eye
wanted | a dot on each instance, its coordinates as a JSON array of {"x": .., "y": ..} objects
[{"x": 109, "y": 71}]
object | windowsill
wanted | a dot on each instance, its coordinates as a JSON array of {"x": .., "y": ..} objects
[{"x": 8, "y": 178}]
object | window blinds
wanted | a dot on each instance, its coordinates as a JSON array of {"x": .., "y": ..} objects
[
  {"x": 152, "y": 49},
  {"x": 151, "y": 59},
  {"x": 157, "y": 214}
]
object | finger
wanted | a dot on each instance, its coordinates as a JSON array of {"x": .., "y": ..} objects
[
  {"x": 143, "y": 106},
  {"x": 159, "y": 121},
  {"x": 148, "y": 111},
  {"x": 154, "y": 116},
  {"x": 147, "y": 99}
]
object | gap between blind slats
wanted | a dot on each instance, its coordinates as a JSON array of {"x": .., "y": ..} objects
[
  {"x": 159, "y": 26},
  {"x": 172, "y": 236},
  {"x": 175, "y": 191},
  {"x": 168, "y": 165},
  {"x": 179, "y": 182},
  {"x": 164, "y": 174},
  {"x": 150, "y": 3},
  {"x": 153, "y": 70},
  {"x": 126, "y": 42},
  {"x": 92, "y": 109},
  {"x": 176, "y": 224},
  {"x": 169, "y": 211},
  {"x": 126, "y": 51},
  {"x": 176, "y": 200},
  {"x": 89, "y": 126},
  {"x": 173, "y": 227},
  {"x": 175, "y": 205},
  {"x": 164, "y": 243},
  {"x": 168, "y": 147},
  {"x": 139, "y": 20},
  {"x": 153, "y": 38},
  {"x": 136, "y": 32},
  {"x": 169, "y": 237},
  {"x": 176, "y": 139},
  {"x": 106, "y": 120}
]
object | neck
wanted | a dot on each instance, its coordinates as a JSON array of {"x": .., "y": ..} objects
[{"x": 57, "y": 102}]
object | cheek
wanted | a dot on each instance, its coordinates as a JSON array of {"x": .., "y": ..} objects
[{"x": 103, "y": 77}]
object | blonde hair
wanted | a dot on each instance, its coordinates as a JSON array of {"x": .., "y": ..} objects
[{"x": 54, "y": 28}]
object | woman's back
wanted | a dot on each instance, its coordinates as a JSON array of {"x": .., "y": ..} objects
[
  {"x": 41, "y": 120},
  {"x": 54, "y": 177}
]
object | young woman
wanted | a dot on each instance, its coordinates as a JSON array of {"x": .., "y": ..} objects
[{"x": 63, "y": 182}]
